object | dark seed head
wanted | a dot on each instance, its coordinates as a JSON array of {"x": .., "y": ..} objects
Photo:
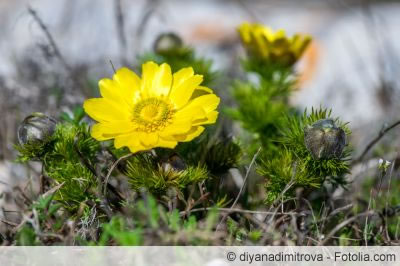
[
  {"x": 36, "y": 128},
  {"x": 324, "y": 140}
]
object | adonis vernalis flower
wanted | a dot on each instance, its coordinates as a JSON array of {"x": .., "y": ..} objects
[
  {"x": 263, "y": 43},
  {"x": 159, "y": 109}
]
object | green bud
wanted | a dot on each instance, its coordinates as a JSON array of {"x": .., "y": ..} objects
[
  {"x": 324, "y": 140},
  {"x": 36, "y": 128},
  {"x": 167, "y": 43}
]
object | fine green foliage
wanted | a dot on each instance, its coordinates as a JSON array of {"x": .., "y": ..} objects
[
  {"x": 77, "y": 115},
  {"x": 293, "y": 166},
  {"x": 283, "y": 175},
  {"x": 145, "y": 171},
  {"x": 293, "y": 139},
  {"x": 285, "y": 161},
  {"x": 68, "y": 158},
  {"x": 222, "y": 155},
  {"x": 117, "y": 231},
  {"x": 261, "y": 104},
  {"x": 32, "y": 151},
  {"x": 45, "y": 210},
  {"x": 218, "y": 155},
  {"x": 64, "y": 163},
  {"x": 26, "y": 237},
  {"x": 165, "y": 228},
  {"x": 268, "y": 71}
]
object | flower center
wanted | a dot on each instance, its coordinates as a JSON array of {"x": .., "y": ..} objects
[
  {"x": 150, "y": 111},
  {"x": 152, "y": 114}
]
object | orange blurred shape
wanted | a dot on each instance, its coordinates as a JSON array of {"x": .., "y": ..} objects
[
  {"x": 212, "y": 32},
  {"x": 309, "y": 64}
]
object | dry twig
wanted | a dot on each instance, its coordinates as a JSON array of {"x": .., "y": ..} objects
[
  {"x": 374, "y": 141},
  {"x": 112, "y": 169}
]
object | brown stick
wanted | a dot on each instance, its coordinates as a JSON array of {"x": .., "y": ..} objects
[
  {"x": 374, "y": 141},
  {"x": 49, "y": 37},
  {"x": 8, "y": 223},
  {"x": 119, "y": 17}
]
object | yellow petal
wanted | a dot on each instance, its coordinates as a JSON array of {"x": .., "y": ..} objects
[
  {"x": 205, "y": 89},
  {"x": 193, "y": 133},
  {"x": 102, "y": 109},
  {"x": 112, "y": 91},
  {"x": 157, "y": 80},
  {"x": 299, "y": 44},
  {"x": 189, "y": 114},
  {"x": 130, "y": 139},
  {"x": 129, "y": 84},
  {"x": 162, "y": 80},
  {"x": 127, "y": 79},
  {"x": 167, "y": 143},
  {"x": 210, "y": 118},
  {"x": 137, "y": 148},
  {"x": 181, "y": 76},
  {"x": 244, "y": 31},
  {"x": 199, "y": 110},
  {"x": 200, "y": 91},
  {"x": 112, "y": 128},
  {"x": 207, "y": 103},
  {"x": 109, "y": 90},
  {"x": 122, "y": 89},
  {"x": 261, "y": 43},
  {"x": 177, "y": 127},
  {"x": 97, "y": 133},
  {"x": 280, "y": 34},
  {"x": 280, "y": 46},
  {"x": 183, "y": 86},
  {"x": 148, "y": 140},
  {"x": 149, "y": 70}
]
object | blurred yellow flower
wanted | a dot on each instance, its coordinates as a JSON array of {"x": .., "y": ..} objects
[
  {"x": 263, "y": 43},
  {"x": 158, "y": 110}
]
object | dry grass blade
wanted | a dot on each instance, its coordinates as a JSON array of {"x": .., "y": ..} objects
[
  {"x": 112, "y": 169},
  {"x": 9, "y": 222},
  {"x": 241, "y": 189},
  {"x": 344, "y": 223},
  {"x": 230, "y": 210},
  {"x": 53, "y": 190}
]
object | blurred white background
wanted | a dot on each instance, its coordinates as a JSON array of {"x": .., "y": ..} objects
[{"x": 352, "y": 67}]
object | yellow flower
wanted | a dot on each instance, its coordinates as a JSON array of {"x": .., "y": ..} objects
[
  {"x": 158, "y": 110},
  {"x": 263, "y": 43}
]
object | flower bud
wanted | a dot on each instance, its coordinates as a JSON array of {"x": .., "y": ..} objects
[
  {"x": 167, "y": 43},
  {"x": 36, "y": 128},
  {"x": 383, "y": 165},
  {"x": 174, "y": 163},
  {"x": 324, "y": 140}
]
